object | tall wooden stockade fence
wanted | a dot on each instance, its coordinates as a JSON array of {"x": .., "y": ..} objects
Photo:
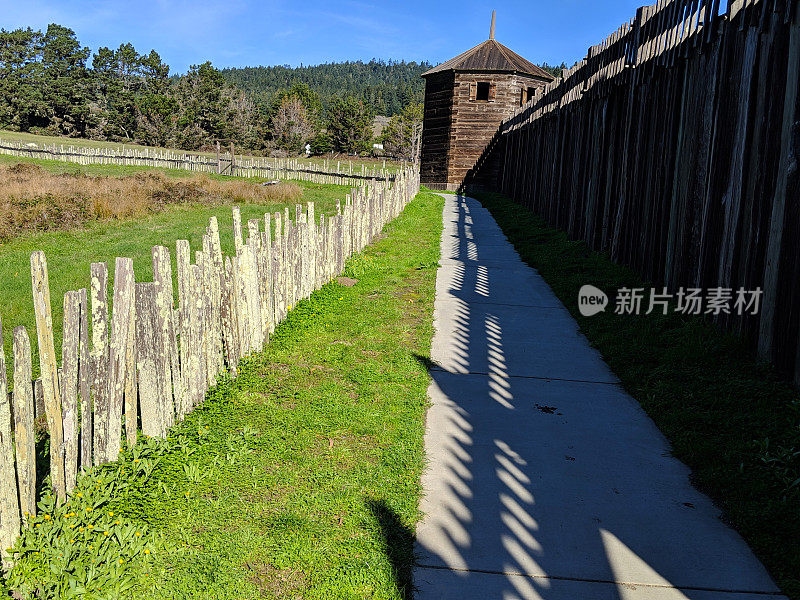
[
  {"x": 674, "y": 146},
  {"x": 340, "y": 173},
  {"x": 147, "y": 363}
]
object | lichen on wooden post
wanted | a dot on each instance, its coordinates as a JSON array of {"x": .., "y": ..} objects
[
  {"x": 120, "y": 352},
  {"x": 47, "y": 363},
  {"x": 9, "y": 501},
  {"x": 167, "y": 331},
  {"x": 70, "y": 352},
  {"x": 24, "y": 433},
  {"x": 100, "y": 356},
  {"x": 237, "y": 229},
  {"x": 150, "y": 362},
  {"x": 84, "y": 380}
]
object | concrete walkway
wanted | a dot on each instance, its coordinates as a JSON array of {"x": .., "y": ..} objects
[{"x": 545, "y": 479}]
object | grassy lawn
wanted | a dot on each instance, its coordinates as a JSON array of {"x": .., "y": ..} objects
[
  {"x": 26, "y": 138},
  {"x": 730, "y": 418},
  {"x": 69, "y": 253},
  {"x": 300, "y": 479}
]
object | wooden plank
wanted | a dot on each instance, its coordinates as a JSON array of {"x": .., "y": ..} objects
[
  {"x": 786, "y": 164},
  {"x": 217, "y": 277},
  {"x": 237, "y": 229},
  {"x": 49, "y": 368},
  {"x": 70, "y": 353},
  {"x": 9, "y": 501},
  {"x": 120, "y": 371},
  {"x": 266, "y": 249},
  {"x": 202, "y": 261},
  {"x": 24, "y": 433},
  {"x": 196, "y": 369},
  {"x": 185, "y": 279},
  {"x": 100, "y": 356},
  {"x": 150, "y": 361},
  {"x": 170, "y": 399},
  {"x": 242, "y": 304},
  {"x": 229, "y": 319},
  {"x": 84, "y": 383},
  {"x": 277, "y": 271}
]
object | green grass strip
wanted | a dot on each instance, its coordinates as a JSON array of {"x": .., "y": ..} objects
[
  {"x": 301, "y": 478},
  {"x": 729, "y": 417}
]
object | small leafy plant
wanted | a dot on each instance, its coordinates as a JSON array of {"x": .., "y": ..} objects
[{"x": 80, "y": 548}]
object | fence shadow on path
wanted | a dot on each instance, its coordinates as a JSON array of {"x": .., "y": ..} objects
[
  {"x": 398, "y": 542},
  {"x": 545, "y": 479}
]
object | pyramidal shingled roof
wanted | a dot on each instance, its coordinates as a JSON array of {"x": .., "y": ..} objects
[{"x": 490, "y": 55}]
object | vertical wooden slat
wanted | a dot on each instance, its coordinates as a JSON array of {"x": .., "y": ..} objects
[
  {"x": 120, "y": 372},
  {"x": 48, "y": 366},
  {"x": 9, "y": 501},
  {"x": 277, "y": 270},
  {"x": 242, "y": 305},
  {"x": 196, "y": 367},
  {"x": 70, "y": 353},
  {"x": 162, "y": 280},
  {"x": 150, "y": 361},
  {"x": 787, "y": 163},
  {"x": 84, "y": 383},
  {"x": 217, "y": 277},
  {"x": 229, "y": 319},
  {"x": 185, "y": 278},
  {"x": 100, "y": 356},
  {"x": 24, "y": 433},
  {"x": 237, "y": 229}
]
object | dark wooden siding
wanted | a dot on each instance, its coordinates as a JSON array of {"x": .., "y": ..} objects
[
  {"x": 474, "y": 122},
  {"x": 436, "y": 128},
  {"x": 457, "y": 127}
]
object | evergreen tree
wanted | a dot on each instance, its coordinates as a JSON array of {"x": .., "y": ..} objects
[
  {"x": 349, "y": 125},
  {"x": 65, "y": 82}
]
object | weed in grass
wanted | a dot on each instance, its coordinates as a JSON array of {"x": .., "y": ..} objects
[{"x": 32, "y": 199}]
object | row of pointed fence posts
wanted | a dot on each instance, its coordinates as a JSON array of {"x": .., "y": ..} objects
[{"x": 145, "y": 364}]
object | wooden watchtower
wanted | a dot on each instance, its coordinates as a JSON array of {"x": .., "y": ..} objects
[{"x": 466, "y": 98}]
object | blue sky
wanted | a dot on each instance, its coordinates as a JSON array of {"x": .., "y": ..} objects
[{"x": 269, "y": 32}]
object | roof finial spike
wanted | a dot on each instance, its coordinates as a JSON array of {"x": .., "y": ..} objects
[{"x": 491, "y": 31}]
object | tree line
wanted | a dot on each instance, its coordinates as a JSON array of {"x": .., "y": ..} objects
[
  {"x": 51, "y": 84},
  {"x": 386, "y": 87}
]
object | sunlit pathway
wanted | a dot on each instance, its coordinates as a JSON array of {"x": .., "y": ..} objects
[{"x": 545, "y": 479}]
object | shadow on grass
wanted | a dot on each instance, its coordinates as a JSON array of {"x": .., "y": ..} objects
[{"x": 398, "y": 544}]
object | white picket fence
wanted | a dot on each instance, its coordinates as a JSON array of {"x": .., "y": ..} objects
[{"x": 340, "y": 173}]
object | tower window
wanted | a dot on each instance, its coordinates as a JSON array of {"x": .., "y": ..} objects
[
  {"x": 526, "y": 95},
  {"x": 483, "y": 91}
]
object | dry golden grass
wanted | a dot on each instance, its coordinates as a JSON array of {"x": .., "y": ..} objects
[{"x": 32, "y": 199}]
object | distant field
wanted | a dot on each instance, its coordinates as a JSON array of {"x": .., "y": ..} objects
[{"x": 79, "y": 142}]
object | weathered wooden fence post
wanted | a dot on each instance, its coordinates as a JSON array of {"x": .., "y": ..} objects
[
  {"x": 121, "y": 369},
  {"x": 49, "y": 368},
  {"x": 9, "y": 503},
  {"x": 100, "y": 357},
  {"x": 70, "y": 353},
  {"x": 24, "y": 434}
]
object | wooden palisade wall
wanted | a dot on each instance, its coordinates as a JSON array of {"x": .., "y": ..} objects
[{"x": 674, "y": 147}]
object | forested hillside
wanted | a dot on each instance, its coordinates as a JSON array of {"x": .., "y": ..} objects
[
  {"x": 51, "y": 84},
  {"x": 384, "y": 86}
]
